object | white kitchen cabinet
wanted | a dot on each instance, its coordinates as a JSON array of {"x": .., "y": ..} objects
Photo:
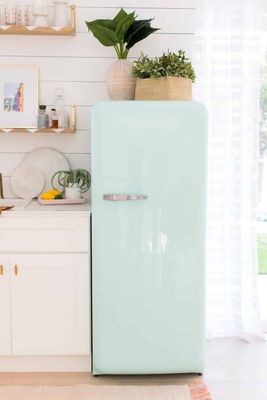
[
  {"x": 45, "y": 289},
  {"x": 5, "y": 311},
  {"x": 50, "y": 304}
]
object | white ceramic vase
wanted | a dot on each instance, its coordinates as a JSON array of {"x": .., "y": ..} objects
[
  {"x": 73, "y": 192},
  {"x": 61, "y": 13},
  {"x": 120, "y": 80}
]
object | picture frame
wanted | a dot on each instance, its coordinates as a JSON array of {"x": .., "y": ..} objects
[{"x": 19, "y": 94}]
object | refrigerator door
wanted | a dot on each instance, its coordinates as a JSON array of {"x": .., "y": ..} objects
[{"x": 148, "y": 233}]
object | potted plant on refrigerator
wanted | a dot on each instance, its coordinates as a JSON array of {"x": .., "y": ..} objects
[
  {"x": 122, "y": 33},
  {"x": 168, "y": 77}
]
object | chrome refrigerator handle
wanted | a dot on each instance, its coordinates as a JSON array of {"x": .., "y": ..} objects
[{"x": 123, "y": 197}]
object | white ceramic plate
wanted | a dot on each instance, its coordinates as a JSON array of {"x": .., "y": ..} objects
[
  {"x": 27, "y": 182},
  {"x": 48, "y": 160}
]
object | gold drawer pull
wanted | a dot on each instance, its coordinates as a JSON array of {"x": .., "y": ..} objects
[
  {"x": 16, "y": 269},
  {"x": 1, "y": 269}
]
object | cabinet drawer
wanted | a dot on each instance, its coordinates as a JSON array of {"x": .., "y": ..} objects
[{"x": 44, "y": 235}]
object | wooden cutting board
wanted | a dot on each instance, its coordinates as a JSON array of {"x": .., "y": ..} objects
[{"x": 5, "y": 208}]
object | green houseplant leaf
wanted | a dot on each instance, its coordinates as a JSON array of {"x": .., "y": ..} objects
[
  {"x": 119, "y": 17},
  {"x": 108, "y": 23},
  {"x": 123, "y": 26},
  {"x": 79, "y": 177},
  {"x": 169, "y": 64},
  {"x": 122, "y": 32},
  {"x": 138, "y": 31},
  {"x": 103, "y": 31}
]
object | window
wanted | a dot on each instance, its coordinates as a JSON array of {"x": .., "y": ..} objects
[{"x": 262, "y": 203}]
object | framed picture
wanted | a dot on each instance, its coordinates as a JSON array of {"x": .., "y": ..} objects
[{"x": 18, "y": 96}]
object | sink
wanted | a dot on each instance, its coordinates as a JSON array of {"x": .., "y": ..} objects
[{"x": 18, "y": 204}]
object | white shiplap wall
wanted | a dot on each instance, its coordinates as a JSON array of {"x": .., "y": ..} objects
[{"x": 79, "y": 65}]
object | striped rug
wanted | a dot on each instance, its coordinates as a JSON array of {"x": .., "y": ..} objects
[{"x": 193, "y": 391}]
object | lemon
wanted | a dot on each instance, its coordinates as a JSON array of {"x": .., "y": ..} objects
[
  {"x": 55, "y": 192},
  {"x": 47, "y": 196}
]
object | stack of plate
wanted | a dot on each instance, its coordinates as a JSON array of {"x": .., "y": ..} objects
[{"x": 36, "y": 170}]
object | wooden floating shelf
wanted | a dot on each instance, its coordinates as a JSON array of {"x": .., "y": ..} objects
[
  {"x": 72, "y": 129},
  {"x": 42, "y": 30},
  {"x": 36, "y": 130}
]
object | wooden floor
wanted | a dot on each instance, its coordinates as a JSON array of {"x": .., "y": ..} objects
[
  {"x": 72, "y": 378},
  {"x": 234, "y": 370}
]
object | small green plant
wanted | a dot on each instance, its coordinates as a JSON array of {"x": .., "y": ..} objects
[
  {"x": 122, "y": 32},
  {"x": 80, "y": 178},
  {"x": 169, "y": 64}
]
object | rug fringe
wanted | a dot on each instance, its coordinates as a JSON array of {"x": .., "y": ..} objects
[{"x": 199, "y": 391}]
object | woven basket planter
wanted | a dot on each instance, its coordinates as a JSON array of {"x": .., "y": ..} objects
[{"x": 163, "y": 88}]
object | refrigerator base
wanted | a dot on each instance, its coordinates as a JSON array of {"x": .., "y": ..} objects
[{"x": 96, "y": 374}]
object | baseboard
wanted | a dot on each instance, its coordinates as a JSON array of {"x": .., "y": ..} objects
[{"x": 45, "y": 364}]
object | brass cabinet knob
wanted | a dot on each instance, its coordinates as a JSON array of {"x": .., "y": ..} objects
[
  {"x": 16, "y": 269},
  {"x": 1, "y": 269}
]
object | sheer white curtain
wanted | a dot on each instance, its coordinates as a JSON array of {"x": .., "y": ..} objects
[{"x": 226, "y": 60}]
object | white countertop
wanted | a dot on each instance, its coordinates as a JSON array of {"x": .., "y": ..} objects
[{"x": 34, "y": 208}]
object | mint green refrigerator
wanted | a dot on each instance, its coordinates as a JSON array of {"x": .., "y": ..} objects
[{"x": 148, "y": 237}]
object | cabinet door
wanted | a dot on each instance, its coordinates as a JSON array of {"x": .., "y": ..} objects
[
  {"x": 50, "y": 304},
  {"x": 5, "y": 322}
]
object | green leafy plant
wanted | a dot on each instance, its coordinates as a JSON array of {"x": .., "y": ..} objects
[
  {"x": 80, "y": 178},
  {"x": 122, "y": 32},
  {"x": 169, "y": 64}
]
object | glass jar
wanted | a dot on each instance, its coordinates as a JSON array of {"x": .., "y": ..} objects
[
  {"x": 23, "y": 13},
  {"x": 2, "y": 15},
  {"x": 53, "y": 119},
  {"x": 43, "y": 117},
  {"x": 10, "y": 13},
  {"x": 63, "y": 115}
]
